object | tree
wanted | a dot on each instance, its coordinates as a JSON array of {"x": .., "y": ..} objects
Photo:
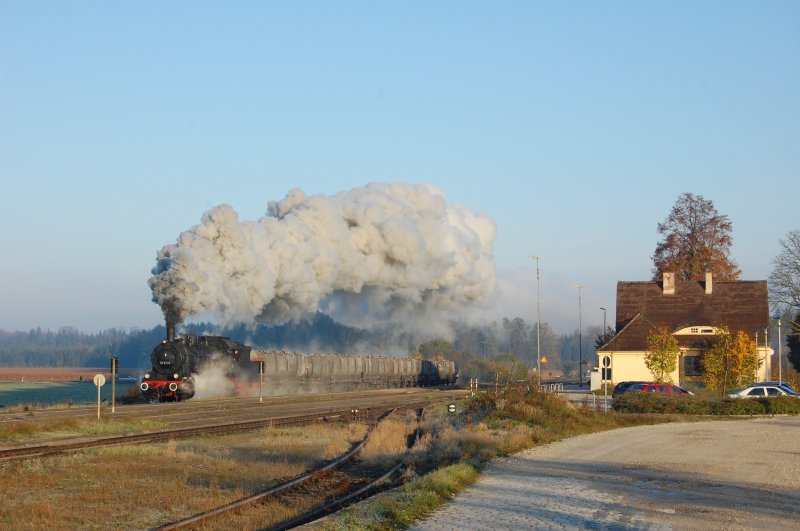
[
  {"x": 548, "y": 345},
  {"x": 793, "y": 342},
  {"x": 604, "y": 337},
  {"x": 784, "y": 281},
  {"x": 518, "y": 337},
  {"x": 696, "y": 239},
  {"x": 745, "y": 360},
  {"x": 661, "y": 358},
  {"x": 730, "y": 362},
  {"x": 436, "y": 349}
]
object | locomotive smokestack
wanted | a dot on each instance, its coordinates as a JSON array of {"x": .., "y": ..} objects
[{"x": 170, "y": 331}]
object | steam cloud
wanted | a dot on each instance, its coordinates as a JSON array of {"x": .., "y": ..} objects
[{"x": 375, "y": 254}]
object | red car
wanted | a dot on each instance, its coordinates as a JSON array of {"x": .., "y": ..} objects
[{"x": 662, "y": 389}]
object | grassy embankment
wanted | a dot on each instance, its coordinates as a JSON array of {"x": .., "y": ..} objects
[{"x": 456, "y": 448}]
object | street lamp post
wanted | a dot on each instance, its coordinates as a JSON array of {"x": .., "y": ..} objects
[
  {"x": 766, "y": 354},
  {"x": 604, "y": 321},
  {"x": 780, "y": 363},
  {"x": 580, "y": 335},
  {"x": 538, "y": 319}
]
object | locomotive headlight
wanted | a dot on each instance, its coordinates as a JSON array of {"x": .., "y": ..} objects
[
  {"x": 173, "y": 387},
  {"x": 144, "y": 386},
  {"x": 176, "y": 376},
  {"x": 147, "y": 376}
]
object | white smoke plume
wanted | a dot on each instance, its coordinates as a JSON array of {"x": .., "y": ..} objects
[
  {"x": 381, "y": 253},
  {"x": 213, "y": 380}
]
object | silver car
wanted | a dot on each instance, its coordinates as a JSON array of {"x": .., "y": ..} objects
[
  {"x": 783, "y": 385},
  {"x": 761, "y": 391}
]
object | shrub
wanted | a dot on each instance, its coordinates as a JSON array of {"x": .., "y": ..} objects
[{"x": 691, "y": 405}]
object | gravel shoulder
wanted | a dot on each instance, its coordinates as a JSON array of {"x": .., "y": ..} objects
[{"x": 719, "y": 474}]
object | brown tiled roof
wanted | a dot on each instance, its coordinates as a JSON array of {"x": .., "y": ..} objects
[{"x": 642, "y": 307}]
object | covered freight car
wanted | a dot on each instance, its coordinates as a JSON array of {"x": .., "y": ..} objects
[{"x": 290, "y": 371}]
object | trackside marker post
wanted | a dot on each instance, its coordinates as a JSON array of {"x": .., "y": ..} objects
[
  {"x": 114, "y": 366},
  {"x": 260, "y": 381},
  {"x": 99, "y": 381}
]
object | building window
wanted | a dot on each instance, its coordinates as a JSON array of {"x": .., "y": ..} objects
[{"x": 691, "y": 366}]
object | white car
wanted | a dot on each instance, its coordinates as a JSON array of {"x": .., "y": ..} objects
[{"x": 761, "y": 391}]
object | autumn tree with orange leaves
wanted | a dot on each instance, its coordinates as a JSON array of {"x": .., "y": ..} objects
[
  {"x": 696, "y": 239},
  {"x": 662, "y": 355},
  {"x": 732, "y": 361}
]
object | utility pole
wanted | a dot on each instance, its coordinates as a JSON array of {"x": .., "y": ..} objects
[
  {"x": 604, "y": 321},
  {"x": 580, "y": 335},
  {"x": 538, "y": 319},
  {"x": 780, "y": 363}
]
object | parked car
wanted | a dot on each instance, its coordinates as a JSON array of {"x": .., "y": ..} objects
[
  {"x": 760, "y": 391},
  {"x": 623, "y": 387},
  {"x": 783, "y": 385},
  {"x": 649, "y": 387},
  {"x": 665, "y": 389}
]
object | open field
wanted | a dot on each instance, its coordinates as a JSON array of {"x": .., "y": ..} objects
[
  {"x": 55, "y": 374},
  {"x": 54, "y": 385},
  {"x": 49, "y": 393}
]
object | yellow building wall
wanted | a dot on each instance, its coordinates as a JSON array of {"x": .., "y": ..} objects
[{"x": 629, "y": 365}]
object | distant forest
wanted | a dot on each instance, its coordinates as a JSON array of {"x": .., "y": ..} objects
[{"x": 507, "y": 346}]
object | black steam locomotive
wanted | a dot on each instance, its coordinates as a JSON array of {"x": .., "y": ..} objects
[{"x": 178, "y": 362}]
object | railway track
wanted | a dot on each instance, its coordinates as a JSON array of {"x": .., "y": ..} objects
[
  {"x": 337, "y": 483},
  {"x": 62, "y": 447},
  {"x": 222, "y": 408}
]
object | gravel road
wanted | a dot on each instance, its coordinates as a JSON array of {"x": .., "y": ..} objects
[{"x": 721, "y": 474}]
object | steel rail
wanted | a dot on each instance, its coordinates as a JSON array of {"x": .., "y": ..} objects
[
  {"x": 333, "y": 505},
  {"x": 195, "y": 519},
  {"x": 338, "y": 503},
  {"x": 30, "y": 452}
]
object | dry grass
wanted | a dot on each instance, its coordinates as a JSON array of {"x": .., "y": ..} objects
[
  {"x": 49, "y": 428},
  {"x": 135, "y": 487},
  {"x": 388, "y": 442}
]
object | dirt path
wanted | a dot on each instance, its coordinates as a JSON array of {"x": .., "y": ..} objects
[{"x": 742, "y": 474}]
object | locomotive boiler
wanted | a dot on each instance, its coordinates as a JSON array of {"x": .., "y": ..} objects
[{"x": 179, "y": 362}]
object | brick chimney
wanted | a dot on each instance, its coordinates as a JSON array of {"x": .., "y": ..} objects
[
  {"x": 669, "y": 284},
  {"x": 709, "y": 283}
]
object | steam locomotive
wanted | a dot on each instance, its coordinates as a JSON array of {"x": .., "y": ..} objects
[{"x": 180, "y": 362}]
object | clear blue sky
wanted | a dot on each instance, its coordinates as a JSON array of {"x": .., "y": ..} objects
[{"x": 574, "y": 125}]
